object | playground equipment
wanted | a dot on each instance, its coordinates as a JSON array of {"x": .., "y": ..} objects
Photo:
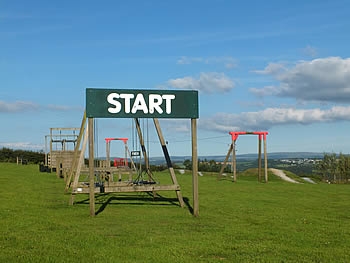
[
  {"x": 59, "y": 154},
  {"x": 120, "y": 165},
  {"x": 106, "y": 103},
  {"x": 103, "y": 175},
  {"x": 232, "y": 149}
]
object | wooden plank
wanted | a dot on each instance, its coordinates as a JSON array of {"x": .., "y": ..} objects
[
  {"x": 84, "y": 190},
  {"x": 127, "y": 189},
  {"x": 141, "y": 188}
]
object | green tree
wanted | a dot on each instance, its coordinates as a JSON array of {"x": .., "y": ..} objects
[{"x": 188, "y": 164}]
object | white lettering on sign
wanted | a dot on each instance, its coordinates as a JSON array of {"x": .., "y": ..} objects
[
  {"x": 139, "y": 104},
  {"x": 127, "y": 98},
  {"x": 126, "y": 102}
]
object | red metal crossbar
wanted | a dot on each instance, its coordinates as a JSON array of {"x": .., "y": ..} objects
[
  {"x": 116, "y": 139},
  {"x": 235, "y": 134}
]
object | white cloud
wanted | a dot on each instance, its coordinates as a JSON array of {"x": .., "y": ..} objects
[
  {"x": 189, "y": 60},
  {"x": 266, "y": 91},
  {"x": 310, "y": 51},
  {"x": 207, "y": 82},
  {"x": 176, "y": 125},
  {"x": 21, "y": 106},
  {"x": 17, "y": 106},
  {"x": 22, "y": 145},
  {"x": 271, "y": 69},
  {"x": 265, "y": 119},
  {"x": 63, "y": 108},
  {"x": 228, "y": 62},
  {"x": 325, "y": 79}
]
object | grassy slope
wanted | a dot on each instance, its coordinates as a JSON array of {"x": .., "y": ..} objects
[{"x": 239, "y": 222}]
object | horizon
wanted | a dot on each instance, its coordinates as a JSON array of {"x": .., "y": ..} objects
[{"x": 216, "y": 155}]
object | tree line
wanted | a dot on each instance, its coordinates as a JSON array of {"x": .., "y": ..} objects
[
  {"x": 334, "y": 168},
  {"x": 206, "y": 166},
  {"x": 10, "y": 155}
]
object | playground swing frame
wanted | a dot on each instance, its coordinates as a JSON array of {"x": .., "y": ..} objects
[
  {"x": 93, "y": 110},
  {"x": 232, "y": 150}
]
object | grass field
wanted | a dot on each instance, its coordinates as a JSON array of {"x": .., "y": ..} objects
[{"x": 245, "y": 221}]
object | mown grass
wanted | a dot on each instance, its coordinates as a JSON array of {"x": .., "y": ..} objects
[{"x": 244, "y": 221}]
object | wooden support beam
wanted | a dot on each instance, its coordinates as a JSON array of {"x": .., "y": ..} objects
[
  {"x": 259, "y": 158},
  {"x": 234, "y": 160},
  {"x": 64, "y": 129},
  {"x": 143, "y": 148},
  {"x": 91, "y": 167},
  {"x": 168, "y": 161},
  {"x": 194, "y": 167},
  {"x": 108, "y": 151},
  {"x": 265, "y": 159},
  {"x": 79, "y": 165},
  {"x": 75, "y": 164},
  {"x": 225, "y": 161}
]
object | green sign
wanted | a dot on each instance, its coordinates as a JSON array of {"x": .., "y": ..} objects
[{"x": 130, "y": 103}]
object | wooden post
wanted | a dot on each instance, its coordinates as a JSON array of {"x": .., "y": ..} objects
[
  {"x": 108, "y": 153},
  {"x": 194, "y": 167},
  {"x": 168, "y": 161},
  {"x": 234, "y": 160},
  {"x": 59, "y": 165},
  {"x": 126, "y": 154},
  {"x": 259, "y": 158},
  {"x": 45, "y": 162},
  {"x": 132, "y": 165},
  {"x": 91, "y": 167},
  {"x": 265, "y": 158},
  {"x": 51, "y": 150}
]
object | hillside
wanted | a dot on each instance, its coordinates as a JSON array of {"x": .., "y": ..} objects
[{"x": 249, "y": 157}]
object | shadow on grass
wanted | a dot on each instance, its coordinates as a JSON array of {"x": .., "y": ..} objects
[{"x": 148, "y": 198}]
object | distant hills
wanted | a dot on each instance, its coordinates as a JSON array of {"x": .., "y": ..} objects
[{"x": 249, "y": 156}]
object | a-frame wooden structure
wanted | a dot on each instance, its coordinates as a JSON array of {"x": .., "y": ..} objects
[
  {"x": 76, "y": 186},
  {"x": 232, "y": 150}
]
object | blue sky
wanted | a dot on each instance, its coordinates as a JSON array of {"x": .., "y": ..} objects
[{"x": 279, "y": 66}]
